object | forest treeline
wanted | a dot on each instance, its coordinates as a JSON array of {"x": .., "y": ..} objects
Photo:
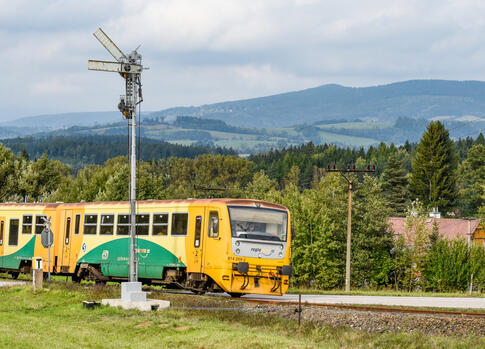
[
  {"x": 81, "y": 151},
  {"x": 409, "y": 181}
]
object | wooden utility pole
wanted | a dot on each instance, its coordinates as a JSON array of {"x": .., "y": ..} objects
[
  {"x": 349, "y": 239},
  {"x": 349, "y": 214}
]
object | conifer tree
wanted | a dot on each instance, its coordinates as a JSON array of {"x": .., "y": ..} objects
[
  {"x": 434, "y": 166},
  {"x": 471, "y": 176},
  {"x": 395, "y": 186},
  {"x": 480, "y": 140},
  {"x": 7, "y": 175}
]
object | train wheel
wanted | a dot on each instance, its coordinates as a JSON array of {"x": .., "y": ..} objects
[
  {"x": 15, "y": 275},
  {"x": 235, "y": 295}
]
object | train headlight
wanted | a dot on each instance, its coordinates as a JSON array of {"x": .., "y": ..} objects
[
  {"x": 281, "y": 247},
  {"x": 280, "y": 254},
  {"x": 237, "y": 243},
  {"x": 260, "y": 255},
  {"x": 237, "y": 251}
]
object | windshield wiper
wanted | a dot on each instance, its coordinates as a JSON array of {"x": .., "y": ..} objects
[{"x": 257, "y": 236}]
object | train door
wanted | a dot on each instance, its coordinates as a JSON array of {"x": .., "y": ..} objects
[
  {"x": 2, "y": 239},
  {"x": 213, "y": 248},
  {"x": 195, "y": 240},
  {"x": 66, "y": 244}
]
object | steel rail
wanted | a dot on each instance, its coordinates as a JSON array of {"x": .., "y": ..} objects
[
  {"x": 381, "y": 309},
  {"x": 371, "y": 308}
]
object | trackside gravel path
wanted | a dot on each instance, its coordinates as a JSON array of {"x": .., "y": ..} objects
[{"x": 434, "y": 302}]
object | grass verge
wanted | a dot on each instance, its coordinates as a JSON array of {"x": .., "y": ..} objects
[{"x": 55, "y": 318}]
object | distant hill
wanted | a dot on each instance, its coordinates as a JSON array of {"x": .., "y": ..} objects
[
  {"x": 188, "y": 130},
  {"x": 415, "y": 99},
  {"x": 334, "y": 114},
  {"x": 56, "y": 121}
]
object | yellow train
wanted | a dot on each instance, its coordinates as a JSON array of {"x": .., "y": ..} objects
[{"x": 224, "y": 245}]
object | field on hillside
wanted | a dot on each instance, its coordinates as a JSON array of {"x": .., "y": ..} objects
[
  {"x": 372, "y": 125},
  {"x": 55, "y": 318},
  {"x": 245, "y": 140},
  {"x": 187, "y": 130}
]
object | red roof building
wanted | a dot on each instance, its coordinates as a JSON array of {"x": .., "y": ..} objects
[{"x": 450, "y": 228}]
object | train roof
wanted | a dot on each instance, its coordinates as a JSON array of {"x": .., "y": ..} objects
[
  {"x": 40, "y": 205},
  {"x": 225, "y": 201}
]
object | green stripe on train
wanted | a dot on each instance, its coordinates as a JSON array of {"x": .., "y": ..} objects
[
  {"x": 113, "y": 257},
  {"x": 12, "y": 261}
]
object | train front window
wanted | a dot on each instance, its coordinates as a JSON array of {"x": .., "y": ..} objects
[{"x": 258, "y": 223}]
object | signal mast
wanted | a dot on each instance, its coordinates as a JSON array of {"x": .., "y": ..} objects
[{"x": 130, "y": 68}]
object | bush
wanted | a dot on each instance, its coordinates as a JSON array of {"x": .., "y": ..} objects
[{"x": 450, "y": 264}]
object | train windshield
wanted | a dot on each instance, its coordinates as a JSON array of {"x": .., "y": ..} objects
[{"x": 258, "y": 223}]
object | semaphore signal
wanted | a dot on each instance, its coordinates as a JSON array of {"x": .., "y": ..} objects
[{"x": 129, "y": 67}]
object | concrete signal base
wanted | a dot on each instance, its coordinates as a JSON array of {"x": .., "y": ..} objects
[
  {"x": 131, "y": 292},
  {"x": 132, "y": 297},
  {"x": 148, "y": 305}
]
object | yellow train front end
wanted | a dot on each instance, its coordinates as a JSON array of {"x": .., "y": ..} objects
[{"x": 253, "y": 251}]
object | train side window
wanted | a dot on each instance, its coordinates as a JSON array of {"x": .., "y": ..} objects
[
  {"x": 27, "y": 224},
  {"x": 123, "y": 226},
  {"x": 198, "y": 229},
  {"x": 77, "y": 223},
  {"x": 142, "y": 223},
  {"x": 179, "y": 223},
  {"x": 68, "y": 229},
  {"x": 1, "y": 232},
  {"x": 213, "y": 224},
  {"x": 160, "y": 224},
  {"x": 39, "y": 223},
  {"x": 90, "y": 224},
  {"x": 13, "y": 233},
  {"x": 107, "y": 224}
]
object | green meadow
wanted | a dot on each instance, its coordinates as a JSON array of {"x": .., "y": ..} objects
[{"x": 55, "y": 318}]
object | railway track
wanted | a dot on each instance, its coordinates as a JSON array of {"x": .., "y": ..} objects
[
  {"x": 368, "y": 318},
  {"x": 354, "y": 307},
  {"x": 380, "y": 309}
]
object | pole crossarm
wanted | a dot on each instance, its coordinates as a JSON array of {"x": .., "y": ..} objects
[{"x": 198, "y": 187}]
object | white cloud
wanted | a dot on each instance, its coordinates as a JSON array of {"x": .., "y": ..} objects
[
  {"x": 215, "y": 50},
  {"x": 59, "y": 86}
]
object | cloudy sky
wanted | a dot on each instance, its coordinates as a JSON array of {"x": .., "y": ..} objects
[{"x": 206, "y": 51}]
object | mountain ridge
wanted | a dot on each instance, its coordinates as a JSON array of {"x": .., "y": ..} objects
[
  {"x": 416, "y": 99},
  {"x": 413, "y": 98}
]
